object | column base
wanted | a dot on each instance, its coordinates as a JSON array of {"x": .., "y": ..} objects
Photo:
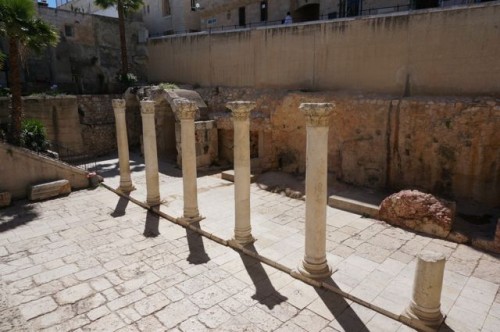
[
  {"x": 191, "y": 220},
  {"x": 243, "y": 240},
  {"x": 126, "y": 189},
  {"x": 315, "y": 271},
  {"x": 430, "y": 318},
  {"x": 153, "y": 202}
]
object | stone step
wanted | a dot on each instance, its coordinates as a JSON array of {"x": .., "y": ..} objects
[
  {"x": 5, "y": 198},
  {"x": 49, "y": 189},
  {"x": 354, "y": 206},
  {"x": 229, "y": 176}
]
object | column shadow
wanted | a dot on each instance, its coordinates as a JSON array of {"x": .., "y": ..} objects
[
  {"x": 120, "y": 207},
  {"x": 341, "y": 310},
  {"x": 151, "y": 228},
  {"x": 17, "y": 215},
  {"x": 197, "y": 253},
  {"x": 265, "y": 293}
]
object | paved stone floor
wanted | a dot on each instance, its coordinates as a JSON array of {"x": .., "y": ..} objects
[{"x": 82, "y": 263}]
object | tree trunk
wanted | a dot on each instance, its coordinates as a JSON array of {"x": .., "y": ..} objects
[
  {"x": 123, "y": 40},
  {"x": 15, "y": 89}
]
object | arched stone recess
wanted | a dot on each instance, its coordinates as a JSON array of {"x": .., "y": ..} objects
[{"x": 168, "y": 130}]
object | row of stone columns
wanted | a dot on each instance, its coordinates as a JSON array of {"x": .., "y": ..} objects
[
  {"x": 425, "y": 304},
  {"x": 314, "y": 264}
]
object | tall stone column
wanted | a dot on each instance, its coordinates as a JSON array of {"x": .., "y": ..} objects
[
  {"x": 150, "y": 153},
  {"x": 425, "y": 305},
  {"x": 314, "y": 265},
  {"x": 186, "y": 112},
  {"x": 241, "y": 123},
  {"x": 126, "y": 185}
]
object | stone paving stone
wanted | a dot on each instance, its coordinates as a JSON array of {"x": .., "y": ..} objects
[
  {"x": 98, "y": 312},
  {"x": 73, "y": 294},
  {"x": 176, "y": 313},
  {"x": 38, "y": 307},
  {"x": 214, "y": 317},
  {"x": 107, "y": 323},
  {"x": 54, "y": 274},
  {"x": 151, "y": 304},
  {"x": 309, "y": 321},
  {"x": 261, "y": 319},
  {"x": 150, "y": 324}
]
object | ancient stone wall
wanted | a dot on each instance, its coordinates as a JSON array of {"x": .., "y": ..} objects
[
  {"x": 97, "y": 123},
  {"x": 77, "y": 126},
  {"x": 425, "y": 52},
  {"x": 448, "y": 146}
]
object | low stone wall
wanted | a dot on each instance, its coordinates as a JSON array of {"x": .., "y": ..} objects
[
  {"x": 79, "y": 126},
  {"x": 21, "y": 168},
  {"x": 447, "y": 146}
]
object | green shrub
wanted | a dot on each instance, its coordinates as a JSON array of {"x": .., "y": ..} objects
[
  {"x": 129, "y": 79},
  {"x": 168, "y": 86},
  {"x": 33, "y": 135}
]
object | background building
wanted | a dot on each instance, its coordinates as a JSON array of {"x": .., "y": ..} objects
[{"x": 165, "y": 17}]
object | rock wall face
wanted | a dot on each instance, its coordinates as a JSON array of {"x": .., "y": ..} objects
[{"x": 447, "y": 146}]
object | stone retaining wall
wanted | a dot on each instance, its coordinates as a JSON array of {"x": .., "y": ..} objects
[{"x": 447, "y": 146}]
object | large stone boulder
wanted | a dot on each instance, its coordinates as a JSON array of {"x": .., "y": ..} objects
[{"x": 418, "y": 211}]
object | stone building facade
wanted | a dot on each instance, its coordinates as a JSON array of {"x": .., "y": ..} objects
[
  {"x": 165, "y": 17},
  {"x": 87, "y": 57}
]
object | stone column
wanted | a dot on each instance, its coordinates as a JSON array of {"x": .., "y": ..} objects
[
  {"x": 126, "y": 185},
  {"x": 150, "y": 153},
  {"x": 241, "y": 123},
  {"x": 314, "y": 264},
  {"x": 186, "y": 112},
  {"x": 425, "y": 305}
]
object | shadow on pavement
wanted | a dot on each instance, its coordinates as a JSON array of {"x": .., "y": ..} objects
[
  {"x": 197, "y": 253},
  {"x": 341, "y": 310},
  {"x": 120, "y": 208},
  {"x": 151, "y": 228},
  {"x": 16, "y": 215},
  {"x": 265, "y": 292}
]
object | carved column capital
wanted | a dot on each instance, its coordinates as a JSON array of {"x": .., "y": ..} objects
[
  {"x": 147, "y": 107},
  {"x": 241, "y": 109},
  {"x": 317, "y": 114},
  {"x": 185, "y": 109},
  {"x": 118, "y": 105}
]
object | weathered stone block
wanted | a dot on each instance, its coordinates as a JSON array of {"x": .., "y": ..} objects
[
  {"x": 49, "y": 190},
  {"x": 5, "y": 199},
  {"x": 418, "y": 211}
]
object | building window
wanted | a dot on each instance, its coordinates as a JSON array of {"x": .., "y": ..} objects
[
  {"x": 166, "y": 7},
  {"x": 68, "y": 31}
]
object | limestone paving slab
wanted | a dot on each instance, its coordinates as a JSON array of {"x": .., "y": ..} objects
[{"x": 114, "y": 276}]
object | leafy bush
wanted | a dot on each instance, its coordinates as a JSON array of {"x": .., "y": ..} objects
[
  {"x": 128, "y": 79},
  {"x": 33, "y": 135},
  {"x": 168, "y": 86},
  {"x": 4, "y": 92}
]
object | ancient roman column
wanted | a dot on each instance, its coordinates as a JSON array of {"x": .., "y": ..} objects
[
  {"x": 186, "y": 112},
  {"x": 314, "y": 264},
  {"x": 241, "y": 123},
  {"x": 150, "y": 153},
  {"x": 425, "y": 305},
  {"x": 126, "y": 185}
]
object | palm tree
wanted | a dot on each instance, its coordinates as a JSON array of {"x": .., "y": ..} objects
[
  {"x": 124, "y": 7},
  {"x": 21, "y": 27}
]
